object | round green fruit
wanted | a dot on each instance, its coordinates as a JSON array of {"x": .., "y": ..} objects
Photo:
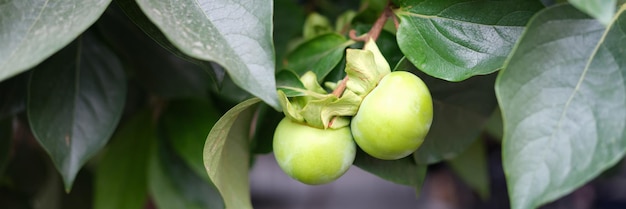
[
  {"x": 312, "y": 155},
  {"x": 394, "y": 117}
]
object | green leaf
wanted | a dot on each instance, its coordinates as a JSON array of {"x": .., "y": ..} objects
[
  {"x": 205, "y": 29},
  {"x": 320, "y": 55},
  {"x": 174, "y": 185},
  {"x": 494, "y": 125},
  {"x": 287, "y": 81},
  {"x": 403, "y": 171},
  {"x": 457, "y": 39},
  {"x": 316, "y": 25},
  {"x": 121, "y": 174},
  {"x": 227, "y": 155},
  {"x": 370, "y": 10},
  {"x": 562, "y": 96},
  {"x": 75, "y": 101},
  {"x": 158, "y": 70},
  {"x": 33, "y": 30},
  {"x": 460, "y": 106},
  {"x": 472, "y": 167},
  {"x": 602, "y": 10},
  {"x": 187, "y": 124},
  {"x": 344, "y": 22},
  {"x": 288, "y": 20}
]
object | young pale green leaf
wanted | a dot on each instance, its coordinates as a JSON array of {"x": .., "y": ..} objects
[
  {"x": 186, "y": 124},
  {"x": 602, "y": 10},
  {"x": 227, "y": 155},
  {"x": 457, "y": 39},
  {"x": 471, "y": 167},
  {"x": 174, "y": 185},
  {"x": 562, "y": 95},
  {"x": 403, "y": 171},
  {"x": 460, "y": 106},
  {"x": 344, "y": 22},
  {"x": 121, "y": 175},
  {"x": 320, "y": 55},
  {"x": 236, "y": 34},
  {"x": 316, "y": 25},
  {"x": 75, "y": 100},
  {"x": 33, "y": 30}
]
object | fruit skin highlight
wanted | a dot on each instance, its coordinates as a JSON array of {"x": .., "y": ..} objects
[
  {"x": 312, "y": 155},
  {"x": 394, "y": 117}
]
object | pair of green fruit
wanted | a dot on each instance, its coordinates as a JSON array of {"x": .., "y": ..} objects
[{"x": 391, "y": 123}]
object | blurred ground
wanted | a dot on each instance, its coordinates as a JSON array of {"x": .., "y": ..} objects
[{"x": 273, "y": 189}]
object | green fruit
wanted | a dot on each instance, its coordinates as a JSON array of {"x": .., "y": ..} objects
[
  {"x": 312, "y": 155},
  {"x": 394, "y": 117}
]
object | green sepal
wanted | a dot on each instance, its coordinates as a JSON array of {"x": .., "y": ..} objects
[
  {"x": 319, "y": 112},
  {"x": 291, "y": 111},
  {"x": 309, "y": 80},
  {"x": 365, "y": 68},
  {"x": 317, "y": 108}
]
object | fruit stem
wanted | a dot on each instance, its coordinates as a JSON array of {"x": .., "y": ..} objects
[
  {"x": 341, "y": 87},
  {"x": 377, "y": 27}
]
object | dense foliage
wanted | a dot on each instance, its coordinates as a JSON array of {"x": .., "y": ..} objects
[{"x": 124, "y": 103}]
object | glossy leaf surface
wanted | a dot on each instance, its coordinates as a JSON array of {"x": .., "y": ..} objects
[
  {"x": 562, "y": 98},
  {"x": 33, "y": 30},
  {"x": 236, "y": 34},
  {"x": 456, "y": 39}
]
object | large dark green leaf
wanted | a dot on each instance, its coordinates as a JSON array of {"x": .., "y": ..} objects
[
  {"x": 236, "y": 34},
  {"x": 175, "y": 185},
  {"x": 227, "y": 155},
  {"x": 156, "y": 69},
  {"x": 320, "y": 55},
  {"x": 456, "y": 39},
  {"x": 403, "y": 171},
  {"x": 75, "y": 101},
  {"x": 460, "y": 111},
  {"x": 134, "y": 13},
  {"x": 121, "y": 178},
  {"x": 471, "y": 167},
  {"x": 602, "y": 10},
  {"x": 288, "y": 21},
  {"x": 186, "y": 123},
  {"x": 33, "y": 30},
  {"x": 562, "y": 96}
]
